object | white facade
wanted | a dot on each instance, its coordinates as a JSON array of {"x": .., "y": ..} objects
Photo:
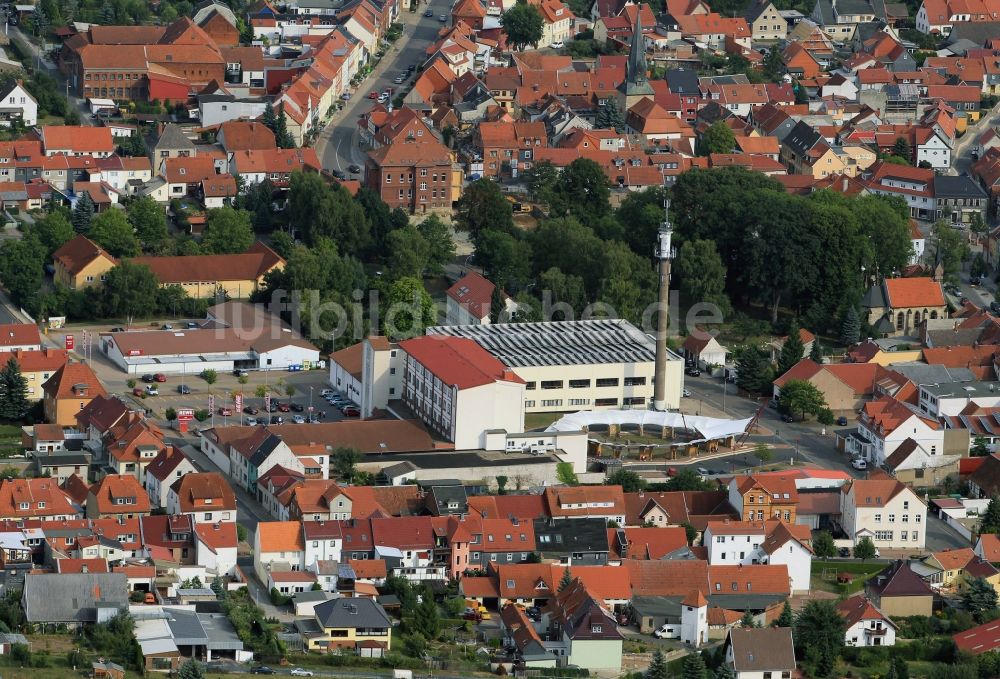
[
  {"x": 797, "y": 559},
  {"x": 894, "y": 523},
  {"x": 220, "y": 560},
  {"x": 205, "y": 514},
  {"x": 216, "y": 110},
  {"x": 871, "y": 633},
  {"x": 883, "y": 444},
  {"x": 265, "y": 562},
  {"x": 935, "y": 151},
  {"x": 694, "y": 623},
  {"x": 344, "y": 381},
  {"x": 382, "y": 370},
  {"x": 157, "y": 490},
  {"x": 18, "y": 103},
  {"x": 743, "y": 545},
  {"x": 322, "y": 549},
  {"x": 983, "y": 394}
]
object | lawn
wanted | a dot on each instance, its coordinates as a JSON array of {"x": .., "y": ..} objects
[
  {"x": 534, "y": 421},
  {"x": 824, "y": 575}
]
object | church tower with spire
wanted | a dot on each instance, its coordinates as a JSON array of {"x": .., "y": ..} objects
[{"x": 636, "y": 86}]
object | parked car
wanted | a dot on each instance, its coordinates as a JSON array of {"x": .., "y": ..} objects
[
  {"x": 557, "y": 45},
  {"x": 686, "y": 393},
  {"x": 443, "y": 18},
  {"x": 225, "y": 411},
  {"x": 327, "y": 392},
  {"x": 354, "y": 169},
  {"x": 351, "y": 411},
  {"x": 262, "y": 669},
  {"x": 382, "y": 98},
  {"x": 297, "y": 407},
  {"x": 160, "y": 377},
  {"x": 841, "y": 421},
  {"x": 346, "y": 96},
  {"x": 298, "y": 419},
  {"x": 183, "y": 389},
  {"x": 692, "y": 371},
  {"x": 339, "y": 174},
  {"x": 152, "y": 390},
  {"x": 399, "y": 79},
  {"x": 373, "y": 95},
  {"x": 787, "y": 417},
  {"x": 166, "y": 326},
  {"x": 277, "y": 419},
  {"x": 312, "y": 419},
  {"x": 240, "y": 373},
  {"x": 252, "y": 421},
  {"x": 250, "y": 410},
  {"x": 773, "y": 404},
  {"x": 148, "y": 378},
  {"x": 138, "y": 391},
  {"x": 283, "y": 407},
  {"x": 845, "y": 552},
  {"x": 412, "y": 67},
  {"x": 859, "y": 463},
  {"x": 975, "y": 280},
  {"x": 191, "y": 325},
  {"x": 703, "y": 471},
  {"x": 272, "y": 407},
  {"x": 117, "y": 329},
  {"x": 429, "y": 13},
  {"x": 665, "y": 632},
  {"x": 299, "y": 672}
]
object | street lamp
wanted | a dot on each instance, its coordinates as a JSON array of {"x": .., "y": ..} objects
[{"x": 310, "y": 401}]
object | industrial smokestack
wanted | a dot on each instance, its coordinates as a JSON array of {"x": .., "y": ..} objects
[{"x": 664, "y": 252}]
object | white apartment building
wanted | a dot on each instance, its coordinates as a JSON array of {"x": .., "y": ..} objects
[
  {"x": 382, "y": 369},
  {"x": 577, "y": 365},
  {"x": 945, "y": 400},
  {"x": 745, "y": 543},
  {"x": 458, "y": 389},
  {"x": 886, "y": 423},
  {"x": 886, "y": 511},
  {"x": 323, "y": 541}
]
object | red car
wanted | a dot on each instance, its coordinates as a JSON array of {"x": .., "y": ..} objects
[
  {"x": 160, "y": 377},
  {"x": 284, "y": 407},
  {"x": 373, "y": 95},
  {"x": 223, "y": 410},
  {"x": 351, "y": 412}
]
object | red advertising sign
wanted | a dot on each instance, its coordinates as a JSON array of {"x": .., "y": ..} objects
[
  {"x": 238, "y": 402},
  {"x": 211, "y": 401},
  {"x": 70, "y": 342},
  {"x": 185, "y": 414},
  {"x": 135, "y": 352},
  {"x": 267, "y": 403}
]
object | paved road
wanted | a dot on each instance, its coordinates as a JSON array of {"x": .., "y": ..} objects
[
  {"x": 43, "y": 61},
  {"x": 962, "y": 153},
  {"x": 338, "y": 144}
]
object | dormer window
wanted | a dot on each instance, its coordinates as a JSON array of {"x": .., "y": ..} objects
[
  {"x": 208, "y": 501},
  {"x": 41, "y": 505},
  {"x": 23, "y": 505}
]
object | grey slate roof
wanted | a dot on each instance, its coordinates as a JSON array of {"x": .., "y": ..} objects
[
  {"x": 352, "y": 613},
  {"x": 571, "y": 535},
  {"x": 72, "y": 597},
  {"x": 173, "y": 138},
  {"x": 802, "y": 138},
  {"x": 962, "y": 186},
  {"x": 977, "y": 32},
  {"x": 682, "y": 81},
  {"x": 921, "y": 373}
]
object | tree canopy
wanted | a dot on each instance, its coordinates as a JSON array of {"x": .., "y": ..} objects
[{"x": 523, "y": 25}]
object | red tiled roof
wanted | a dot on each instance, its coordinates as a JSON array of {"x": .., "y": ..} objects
[
  {"x": 74, "y": 380},
  {"x": 113, "y": 487},
  {"x": 204, "y": 491},
  {"x": 78, "y": 253},
  {"x": 458, "y": 361},
  {"x": 914, "y": 292},
  {"x": 77, "y": 139},
  {"x": 473, "y": 291}
]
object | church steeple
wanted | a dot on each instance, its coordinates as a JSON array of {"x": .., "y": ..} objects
[
  {"x": 636, "y": 86},
  {"x": 636, "y": 70}
]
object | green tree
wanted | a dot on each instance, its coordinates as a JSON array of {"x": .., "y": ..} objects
[
  {"x": 763, "y": 452},
  {"x": 753, "y": 374},
  {"x": 505, "y": 259},
  {"x": 344, "y": 462},
  {"x": 901, "y": 149},
  {"x": 898, "y": 669},
  {"x": 54, "y": 230},
  {"x": 83, "y": 212},
  {"x": 523, "y": 25},
  {"x": 408, "y": 309},
  {"x": 407, "y": 253},
  {"x": 282, "y": 137},
  {"x": 864, "y": 549},
  {"x": 850, "y": 329},
  {"x": 785, "y": 619},
  {"x": 702, "y": 274},
  {"x": 823, "y": 545},
  {"x": 13, "y": 391},
  {"x": 980, "y": 599},
  {"x": 210, "y": 376},
  {"x": 725, "y": 671},
  {"x": 949, "y": 247},
  {"x": 585, "y": 190},
  {"x": 113, "y": 232},
  {"x": 483, "y": 207},
  {"x": 658, "y": 666},
  {"x": 130, "y": 291},
  {"x": 800, "y": 396},
  {"x": 884, "y": 223},
  {"x": 686, "y": 479},
  {"x": 690, "y": 532},
  {"x": 792, "y": 350},
  {"x": 566, "y": 475},
  {"x": 427, "y": 618},
  {"x": 566, "y": 580},
  {"x": 22, "y": 268},
  {"x": 609, "y": 117},
  {"x": 440, "y": 245},
  {"x": 979, "y": 447},
  {"x": 170, "y": 414},
  {"x": 816, "y": 352},
  {"x": 694, "y": 667},
  {"x": 227, "y": 231},
  {"x": 542, "y": 180},
  {"x": 819, "y": 628},
  {"x": 269, "y": 117},
  {"x": 190, "y": 669},
  {"x": 498, "y": 305},
  {"x": 627, "y": 479},
  {"x": 260, "y": 391},
  {"x": 149, "y": 220},
  {"x": 718, "y": 138}
]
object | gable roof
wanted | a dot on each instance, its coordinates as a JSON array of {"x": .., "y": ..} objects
[
  {"x": 78, "y": 253},
  {"x": 458, "y": 361},
  {"x": 106, "y": 492},
  {"x": 244, "y": 266},
  {"x": 203, "y": 491},
  {"x": 473, "y": 291},
  {"x": 280, "y": 536},
  {"x": 73, "y": 380},
  {"x": 72, "y": 597},
  {"x": 899, "y": 580},
  {"x": 762, "y": 649},
  {"x": 858, "y": 608},
  {"x": 902, "y": 293}
]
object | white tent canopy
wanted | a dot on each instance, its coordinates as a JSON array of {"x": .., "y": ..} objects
[{"x": 708, "y": 428}]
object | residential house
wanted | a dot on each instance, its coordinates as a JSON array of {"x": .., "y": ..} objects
[
  {"x": 274, "y": 165},
  {"x": 17, "y": 106},
  {"x": 866, "y": 624},
  {"x": 415, "y": 175},
  {"x": 37, "y": 367},
  {"x": 117, "y": 496},
  {"x": 73, "y": 599},
  {"x": 753, "y": 653},
  {"x": 35, "y": 499},
  {"x": 846, "y": 387},
  {"x": 19, "y": 337},
  {"x": 323, "y": 541},
  {"x": 885, "y": 510},
  {"x": 406, "y": 544},
  {"x": 68, "y": 391},
  {"x": 581, "y": 631},
  {"x": 215, "y": 546},
  {"x": 703, "y": 350},
  {"x": 81, "y": 263},
  {"x": 603, "y": 502},
  {"x": 77, "y": 140},
  {"x": 278, "y": 546},
  {"x": 765, "y": 22},
  {"x": 757, "y": 498},
  {"x": 899, "y": 591},
  {"x": 915, "y": 185},
  {"x": 912, "y": 464},
  {"x": 747, "y": 542},
  {"x": 959, "y": 199},
  {"x": 953, "y": 569},
  {"x": 573, "y": 541},
  {"x": 985, "y": 481},
  {"x": 357, "y": 624},
  {"x": 236, "y": 275},
  {"x": 132, "y": 444},
  {"x": 169, "y": 465},
  {"x": 206, "y": 496},
  {"x": 885, "y": 423},
  {"x": 470, "y": 300},
  {"x": 556, "y": 21}
]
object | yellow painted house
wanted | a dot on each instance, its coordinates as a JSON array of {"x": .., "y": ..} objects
[
  {"x": 37, "y": 367},
  {"x": 959, "y": 566},
  {"x": 81, "y": 263},
  {"x": 361, "y": 625}
]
